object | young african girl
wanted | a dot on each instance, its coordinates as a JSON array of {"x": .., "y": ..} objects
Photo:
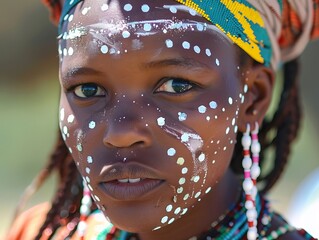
[{"x": 161, "y": 103}]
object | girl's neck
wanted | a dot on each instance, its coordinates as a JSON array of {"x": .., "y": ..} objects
[{"x": 201, "y": 216}]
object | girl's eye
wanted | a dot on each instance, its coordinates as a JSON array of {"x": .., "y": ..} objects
[
  {"x": 88, "y": 90},
  {"x": 175, "y": 85}
]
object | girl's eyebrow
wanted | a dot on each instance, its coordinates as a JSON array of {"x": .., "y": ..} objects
[
  {"x": 79, "y": 71},
  {"x": 179, "y": 62}
]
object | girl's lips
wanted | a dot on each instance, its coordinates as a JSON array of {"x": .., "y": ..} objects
[{"x": 130, "y": 190}]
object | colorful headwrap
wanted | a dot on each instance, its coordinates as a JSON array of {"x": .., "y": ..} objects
[{"x": 270, "y": 31}]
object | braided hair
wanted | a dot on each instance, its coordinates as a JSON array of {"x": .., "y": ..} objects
[{"x": 275, "y": 135}]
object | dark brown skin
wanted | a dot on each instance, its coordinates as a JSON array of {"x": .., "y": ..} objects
[{"x": 134, "y": 91}]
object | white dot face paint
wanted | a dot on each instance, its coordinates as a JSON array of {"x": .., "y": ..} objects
[
  {"x": 147, "y": 27},
  {"x": 197, "y": 194},
  {"x": 201, "y": 157},
  {"x": 70, "y": 51},
  {"x": 161, "y": 121},
  {"x": 230, "y": 101},
  {"x": 182, "y": 181},
  {"x": 185, "y": 137},
  {"x": 126, "y": 34},
  {"x": 145, "y": 8},
  {"x": 184, "y": 211},
  {"x": 177, "y": 210},
  {"x": 171, "y": 220},
  {"x": 89, "y": 159},
  {"x": 180, "y": 161},
  {"x": 65, "y": 130},
  {"x": 196, "y": 178},
  {"x": 169, "y": 208},
  {"x": 128, "y": 7},
  {"x": 71, "y": 118},
  {"x": 86, "y": 10},
  {"x": 200, "y": 27},
  {"x": 173, "y": 9},
  {"x": 217, "y": 62},
  {"x": 71, "y": 18},
  {"x": 197, "y": 49},
  {"x": 104, "y": 7},
  {"x": 87, "y": 179},
  {"x": 245, "y": 88},
  {"x": 164, "y": 219},
  {"x": 213, "y": 105},
  {"x": 182, "y": 116},
  {"x": 62, "y": 114},
  {"x": 171, "y": 152},
  {"x": 208, "y": 52},
  {"x": 169, "y": 43},
  {"x": 186, "y": 197},
  {"x": 92, "y": 125},
  {"x": 79, "y": 147},
  {"x": 104, "y": 49},
  {"x": 202, "y": 109},
  {"x": 179, "y": 190},
  {"x": 186, "y": 45}
]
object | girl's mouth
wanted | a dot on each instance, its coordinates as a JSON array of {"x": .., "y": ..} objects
[
  {"x": 128, "y": 189},
  {"x": 127, "y": 182}
]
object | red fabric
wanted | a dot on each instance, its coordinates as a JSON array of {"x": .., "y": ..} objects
[
  {"x": 315, "y": 29},
  {"x": 55, "y": 9}
]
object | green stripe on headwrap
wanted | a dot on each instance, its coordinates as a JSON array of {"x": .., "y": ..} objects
[{"x": 239, "y": 20}]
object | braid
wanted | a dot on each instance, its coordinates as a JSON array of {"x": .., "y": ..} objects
[
  {"x": 287, "y": 121},
  {"x": 66, "y": 201},
  {"x": 285, "y": 124},
  {"x": 54, "y": 162}
]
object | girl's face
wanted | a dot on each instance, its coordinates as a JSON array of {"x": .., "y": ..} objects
[{"x": 149, "y": 106}]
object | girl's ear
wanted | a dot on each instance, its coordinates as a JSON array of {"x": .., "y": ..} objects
[{"x": 260, "y": 82}]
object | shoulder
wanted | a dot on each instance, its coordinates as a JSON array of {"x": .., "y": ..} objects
[{"x": 26, "y": 226}]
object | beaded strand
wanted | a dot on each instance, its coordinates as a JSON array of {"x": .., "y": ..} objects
[
  {"x": 248, "y": 187},
  {"x": 85, "y": 210}
]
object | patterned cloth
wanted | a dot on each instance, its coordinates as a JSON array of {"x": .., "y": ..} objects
[{"x": 26, "y": 227}]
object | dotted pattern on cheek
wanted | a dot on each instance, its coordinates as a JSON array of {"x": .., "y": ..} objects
[{"x": 173, "y": 210}]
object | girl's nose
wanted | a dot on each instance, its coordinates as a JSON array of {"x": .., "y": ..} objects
[{"x": 127, "y": 132}]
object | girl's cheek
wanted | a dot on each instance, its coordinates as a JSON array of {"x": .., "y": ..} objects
[{"x": 71, "y": 130}]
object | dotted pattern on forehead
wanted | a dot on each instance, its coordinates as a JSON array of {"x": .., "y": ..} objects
[{"x": 244, "y": 25}]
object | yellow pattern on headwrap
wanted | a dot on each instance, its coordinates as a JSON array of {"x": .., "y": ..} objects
[{"x": 238, "y": 20}]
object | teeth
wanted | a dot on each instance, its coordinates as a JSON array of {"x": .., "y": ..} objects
[
  {"x": 134, "y": 180},
  {"x": 125, "y": 180},
  {"x": 129, "y": 180}
]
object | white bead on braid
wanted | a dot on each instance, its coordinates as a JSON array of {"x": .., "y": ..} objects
[
  {"x": 249, "y": 187},
  {"x": 85, "y": 210},
  {"x": 255, "y": 150}
]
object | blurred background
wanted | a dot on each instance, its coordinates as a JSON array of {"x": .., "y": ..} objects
[{"x": 29, "y": 95}]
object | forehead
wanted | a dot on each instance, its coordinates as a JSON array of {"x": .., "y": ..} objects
[{"x": 147, "y": 17}]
